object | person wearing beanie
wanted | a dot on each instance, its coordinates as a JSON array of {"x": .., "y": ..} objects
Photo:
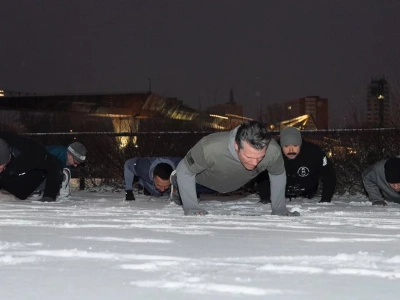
[
  {"x": 305, "y": 164},
  {"x": 153, "y": 176},
  {"x": 382, "y": 181},
  {"x": 72, "y": 156},
  {"x": 24, "y": 165}
]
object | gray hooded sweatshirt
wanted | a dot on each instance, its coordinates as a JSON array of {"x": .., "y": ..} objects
[
  {"x": 375, "y": 181},
  {"x": 214, "y": 163}
]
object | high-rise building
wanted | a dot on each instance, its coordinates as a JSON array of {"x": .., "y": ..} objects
[
  {"x": 378, "y": 103},
  {"x": 314, "y": 106}
]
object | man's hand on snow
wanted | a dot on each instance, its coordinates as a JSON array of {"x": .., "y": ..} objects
[
  {"x": 293, "y": 214},
  {"x": 379, "y": 203},
  {"x": 129, "y": 196},
  {"x": 47, "y": 199},
  {"x": 196, "y": 212},
  {"x": 324, "y": 201}
]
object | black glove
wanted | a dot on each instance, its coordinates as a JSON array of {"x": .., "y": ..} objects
[
  {"x": 293, "y": 214},
  {"x": 379, "y": 203},
  {"x": 129, "y": 196},
  {"x": 324, "y": 201},
  {"x": 47, "y": 199},
  {"x": 264, "y": 201}
]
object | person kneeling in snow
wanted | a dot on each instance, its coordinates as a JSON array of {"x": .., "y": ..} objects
[
  {"x": 305, "y": 164},
  {"x": 384, "y": 176},
  {"x": 72, "y": 156},
  {"x": 24, "y": 165}
]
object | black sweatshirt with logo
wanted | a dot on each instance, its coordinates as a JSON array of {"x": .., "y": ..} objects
[{"x": 303, "y": 173}]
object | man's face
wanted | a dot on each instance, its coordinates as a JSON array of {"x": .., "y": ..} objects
[
  {"x": 291, "y": 151},
  {"x": 248, "y": 156},
  {"x": 71, "y": 161},
  {"x": 161, "y": 184},
  {"x": 395, "y": 186},
  {"x": 2, "y": 167}
]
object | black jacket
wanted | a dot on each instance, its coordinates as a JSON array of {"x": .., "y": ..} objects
[
  {"x": 304, "y": 171},
  {"x": 303, "y": 174},
  {"x": 30, "y": 164}
]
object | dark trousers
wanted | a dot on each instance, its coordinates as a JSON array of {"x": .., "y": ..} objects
[
  {"x": 264, "y": 186},
  {"x": 23, "y": 186},
  {"x": 305, "y": 194},
  {"x": 264, "y": 189}
]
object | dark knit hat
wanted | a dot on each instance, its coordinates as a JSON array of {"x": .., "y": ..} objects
[
  {"x": 392, "y": 170},
  {"x": 78, "y": 151},
  {"x": 290, "y": 136},
  {"x": 4, "y": 152}
]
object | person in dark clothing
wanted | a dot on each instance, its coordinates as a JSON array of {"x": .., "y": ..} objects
[
  {"x": 305, "y": 164},
  {"x": 24, "y": 165},
  {"x": 152, "y": 173},
  {"x": 70, "y": 157}
]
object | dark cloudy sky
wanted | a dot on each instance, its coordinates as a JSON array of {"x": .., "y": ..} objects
[{"x": 267, "y": 51}]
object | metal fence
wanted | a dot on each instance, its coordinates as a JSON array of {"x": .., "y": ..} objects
[{"x": 351, "y": 150}]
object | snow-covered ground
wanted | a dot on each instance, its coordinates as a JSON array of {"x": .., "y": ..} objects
[{"x": 97, "y": 246}]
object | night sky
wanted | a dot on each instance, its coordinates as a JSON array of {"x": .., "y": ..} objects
[{"x": 268, "y": 51}]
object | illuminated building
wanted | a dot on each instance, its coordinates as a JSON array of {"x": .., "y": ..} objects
[
  {"x": 378, "y": 104},
  {"x": 119, "y": 113},
  {"x": 314, "y": 106}
]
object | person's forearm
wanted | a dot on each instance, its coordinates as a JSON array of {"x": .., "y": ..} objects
[
  {"x": 128, "y": 176},
  {"x": 372, "y": 189},
  {"x": 129, "y": 173},
  {"x": 187, "y": 190},
  {"x": 278, "y": 202},
  {"x": 54, "y": 170},
  {"x": 328, "y": 183}
]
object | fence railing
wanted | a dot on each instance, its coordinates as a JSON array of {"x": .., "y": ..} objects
[{"x": 351, "y": 150}]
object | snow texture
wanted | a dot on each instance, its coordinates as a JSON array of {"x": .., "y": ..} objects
[{"x": 98, "y": 246}]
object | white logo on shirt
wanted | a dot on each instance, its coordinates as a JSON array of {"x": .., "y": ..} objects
[
  {"x": 324, "y": 161},
  {"x": 303, "y": 171}
]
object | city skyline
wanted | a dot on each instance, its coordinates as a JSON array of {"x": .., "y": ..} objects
[{"x": 267, "y": 52}]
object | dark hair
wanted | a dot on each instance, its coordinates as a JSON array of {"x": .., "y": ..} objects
[
  {"x": 163, "y": 170},
  {"x": 392, "y": 170},
  {"x": 254, "y": 133}
]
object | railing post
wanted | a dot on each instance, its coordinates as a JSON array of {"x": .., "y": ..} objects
[{"x": 81, "y": 184}]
